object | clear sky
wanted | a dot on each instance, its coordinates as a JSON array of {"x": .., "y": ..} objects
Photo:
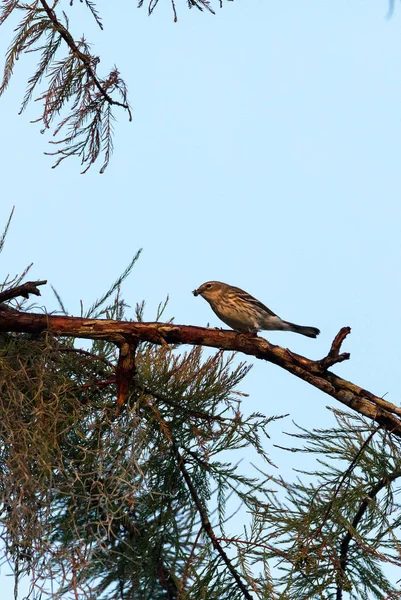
[{"x": 264, "y": 152}]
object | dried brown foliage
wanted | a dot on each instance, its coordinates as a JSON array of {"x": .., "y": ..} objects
[
  {"x": 72, "y": 84},
  {"x": 77, "y": 102}
]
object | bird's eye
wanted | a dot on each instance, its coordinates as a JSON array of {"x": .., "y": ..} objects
[{"x": 209, "y": 285}]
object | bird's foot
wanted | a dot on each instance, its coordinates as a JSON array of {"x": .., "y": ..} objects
[{"x": 251, "y": 333}]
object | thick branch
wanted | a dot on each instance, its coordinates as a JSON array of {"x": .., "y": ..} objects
[
  {"x": 353, "y": 396},
  {"x": 125, "y": 370}
]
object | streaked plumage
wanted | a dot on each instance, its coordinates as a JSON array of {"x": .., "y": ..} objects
[{"x": 244, "y": 313}]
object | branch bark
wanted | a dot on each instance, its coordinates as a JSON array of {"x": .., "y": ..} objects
[
  {"x": 313, "y": 372},
  {"x": 125, "y": 370},
  {"x": 30, "y": 287}
]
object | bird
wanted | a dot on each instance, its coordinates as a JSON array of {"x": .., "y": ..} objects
[{"x": 244, "y": 313}]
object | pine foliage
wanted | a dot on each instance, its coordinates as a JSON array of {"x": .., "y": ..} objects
[
  {"x": 98, "y": 502},
  {"x": 71, "y": 82},
  {"x": 77, "y": 102},
  {"x": 151, "y": 501}
]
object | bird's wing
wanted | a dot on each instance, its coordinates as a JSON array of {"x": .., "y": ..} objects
[{"x": 248, "y": 298}]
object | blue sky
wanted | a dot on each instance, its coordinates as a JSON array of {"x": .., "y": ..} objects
[{"x": 264, "y": 152}]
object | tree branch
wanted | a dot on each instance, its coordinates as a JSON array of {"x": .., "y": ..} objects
[
  {"x": 344, "y": 476},
  {"x": 384, "y": 481},
  {"x": 125, "y": 370},
  {"x": 67, "y": 37},
  {"x": 313, "y": 372},
  {"x": 30, "y": 287},
  {"x": 334, "y": 355},
  {"x": 206, "y": 525}
]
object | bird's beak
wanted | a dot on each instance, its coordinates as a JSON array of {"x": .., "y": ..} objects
[{"x": 195, "y": 293}]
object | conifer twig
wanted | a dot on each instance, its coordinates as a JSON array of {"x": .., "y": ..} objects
[
  {"x": 86, "y": 353},
  {"x": 343, "y": 478},
  {"x": 67, "y": 37},
  {"x": 384, "y": 481},
  {"x": 198, "y": 414},
  {"x": 206, "y": 525}
]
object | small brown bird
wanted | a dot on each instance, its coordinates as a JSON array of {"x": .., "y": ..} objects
[{"x": 244, "y": 313}]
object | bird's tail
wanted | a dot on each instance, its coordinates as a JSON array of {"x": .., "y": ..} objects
[{"x": 311, "y": 332}]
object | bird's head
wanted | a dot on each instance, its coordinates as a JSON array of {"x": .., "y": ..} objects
[{"x": 210, "y": 290}]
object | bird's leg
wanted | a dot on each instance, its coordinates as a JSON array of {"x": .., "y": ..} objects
[{"x": 253, "y": 332}]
